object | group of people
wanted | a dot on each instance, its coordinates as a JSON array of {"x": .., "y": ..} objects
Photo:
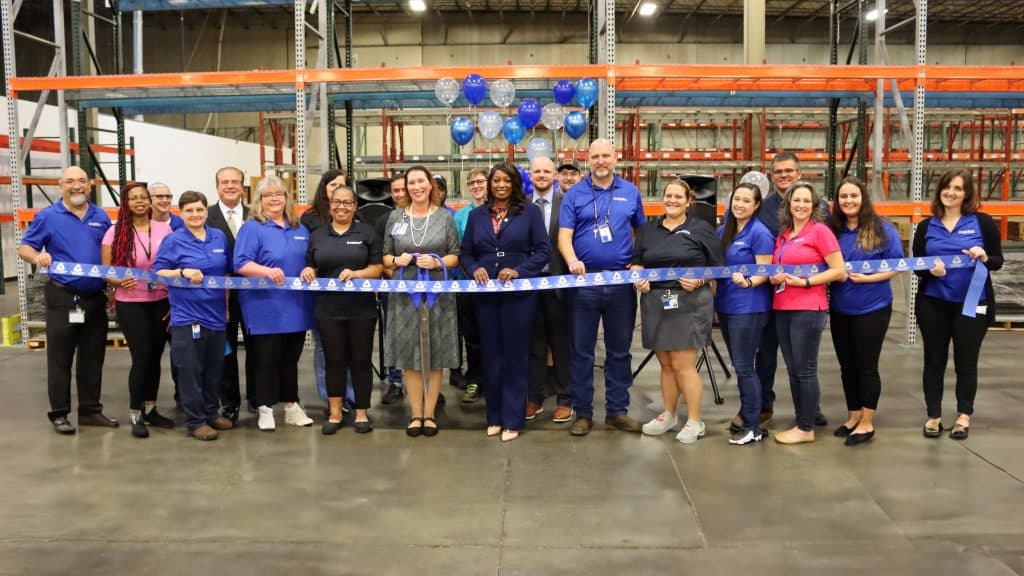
[{"x": 521, "y": 347}]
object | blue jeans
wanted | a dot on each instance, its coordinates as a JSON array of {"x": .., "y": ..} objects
[
  {"x": 742, "y": 333},
  {"x": 616, "y": 307},
  {"x": 800, "y": 337},
  {"x": 200, "y": 364},
  {"x": 766, "y": 361}
]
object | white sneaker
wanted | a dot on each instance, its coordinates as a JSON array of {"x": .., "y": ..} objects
[
  {"x": 266, "y": 421},
  {"x": 296, "y": 416},
  {"x": 663, "y": 423},
  {"x": 693, "y": 430}
]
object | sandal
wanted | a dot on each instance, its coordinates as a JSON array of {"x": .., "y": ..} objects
[
  {"x": 930, "y": 432},
  {"x": 959, "y": 431},
  {"x": 430, "y": 431},
  {"x": 414, "y": 431}
]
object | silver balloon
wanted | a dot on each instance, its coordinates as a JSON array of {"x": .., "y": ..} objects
[
  {"x": 503, "y": 92},
  {"x": 538, "y": 148},
  {"x": 489, "y": 122},
  {"x": 553, "y": 115},
  {"x": 447, "y": 90}
]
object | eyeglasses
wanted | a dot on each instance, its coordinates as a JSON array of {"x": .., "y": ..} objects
[
  {"x": 782, "y": 171},
  {"x": 273, "y": 195},
  {"x": 75, "y": 181},
  {"x": 162, "y": 196},
  {"x": 138, "y": 198},
  {"x": 478, "y": 182},
  {"x": 232, "y": 182},
  {"x": 344, "y": 203}
]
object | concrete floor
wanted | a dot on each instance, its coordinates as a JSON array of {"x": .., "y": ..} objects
[{"x": 295, "y": 501}]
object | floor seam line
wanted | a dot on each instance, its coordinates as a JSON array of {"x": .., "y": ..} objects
[
  {"x": 504, "y": 507},
  {"x": 993, "y": 464},
  {"x": 689, "y": 500}
]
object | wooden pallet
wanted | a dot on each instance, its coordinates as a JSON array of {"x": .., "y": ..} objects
[
  {"x": 1008, "y": 326},
  {"x": 116, "y": 341}
]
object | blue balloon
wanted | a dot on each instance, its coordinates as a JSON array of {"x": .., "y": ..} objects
[
  {"x": 529, "y": 113},
  {"x": 575, "y": 124},
  {"x": 462, "y": 130},
  {"x": 474, "y": 88},
  {"x": 587, "y": 90},
  {"x": 563, "y": 91},
  {"x": 527, "y": 183},
  {"x": 513, "y": 130}
]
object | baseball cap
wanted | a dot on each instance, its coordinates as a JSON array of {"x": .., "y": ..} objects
[{"x": 568, "y": 165}]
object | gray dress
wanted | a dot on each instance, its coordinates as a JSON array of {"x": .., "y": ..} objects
[{"x": 435, "y": 234}]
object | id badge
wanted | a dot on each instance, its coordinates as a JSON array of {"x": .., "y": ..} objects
[
  {"x": 150, "y": 286},
  {"x": 399, "y": 228},
  {"x": 76, "y": 316},
  {"x": 669, "y": 301},
  {"x": 780, "y": 288},
  {"x": 604, "y": 232},
  {"x": 196, "y": 331}
]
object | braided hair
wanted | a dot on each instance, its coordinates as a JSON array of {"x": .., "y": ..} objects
[{"x": 123, "y": 248}]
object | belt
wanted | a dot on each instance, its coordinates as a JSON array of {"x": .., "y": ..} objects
[{"x": 72, "y": 291}]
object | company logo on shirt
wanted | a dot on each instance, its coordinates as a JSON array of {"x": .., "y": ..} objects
[
  {"x": 218, "y": 250},
  {"x": 353, "y": 242},
  {"x": 967, "y": 231},
  {"x": 687, "y": 232},
  {"x": 740, "y": 242},
  {"x": 301, "y": 238},
  {"x": 96, "y": 224},
  {"x": 619, "y": 199}
]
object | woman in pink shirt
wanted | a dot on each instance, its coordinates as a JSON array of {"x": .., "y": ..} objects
[
  {"x": 800, "y": 303},
  {"x": 142, "y": 308}
]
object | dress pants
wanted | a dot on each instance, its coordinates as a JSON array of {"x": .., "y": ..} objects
[
  {"x": 277, "y": 366},
  {"x": 550, "y": 330},
  {"x": 766, "y": 362},
  {"x": 200, "y": 362},
  {"x": 506, "y": 321},
  {"x": 615, "y": 307},
  {"x": 65, "y": 340},
  {"x": 469, "y": 329},
  {"x": 230, "y": 392},
  {"x": 348, "y": 351},
  {"x": 941, "y": 322}
]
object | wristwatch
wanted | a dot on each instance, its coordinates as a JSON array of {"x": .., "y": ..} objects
[{"x": 807, "y": 282}]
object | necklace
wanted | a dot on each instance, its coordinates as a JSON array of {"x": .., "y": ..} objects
[{"x": 423, "y": 228}]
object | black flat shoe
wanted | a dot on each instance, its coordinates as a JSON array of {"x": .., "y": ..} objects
[
  {"x": 62, "y": 425},
  {"x": 154, "y": 418},
  {"x": 363, "y": 427},
  {"x": 97, "y": 419},
  {"x": 414, "y": 431},
  {"x": 958, "y": 432},
  {"x": 430, "y": 431},
  {"x": 329, "y": 428},
  {"x": 843, "y": 431},
  {"x": 820, "y": 420},
  {"x": 932, "y": 432},
  {"x": 856, "y": 439}
]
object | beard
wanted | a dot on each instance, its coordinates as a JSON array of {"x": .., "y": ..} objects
[{"x": 77, "y": 200}]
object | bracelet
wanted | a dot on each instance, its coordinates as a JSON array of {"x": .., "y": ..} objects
[
  {"x": 750, "y": 283},
  {"x": 181, "y": 272},
  {"x": 807, "y": 282}
]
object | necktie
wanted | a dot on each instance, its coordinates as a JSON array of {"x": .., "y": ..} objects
[
  {"x": 231, "y": 222},
  {"x": 542, "y": 203}
]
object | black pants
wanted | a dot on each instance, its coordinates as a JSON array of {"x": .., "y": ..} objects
[
  {"x": 550, "y": 330},
  {"x": 145, "y": 330},
  {"x": 230, "y": 390},
  {"x": 348, "y": 349},
  {"x": 858, "y": 342},
  {"x": 64, "y": 340},
  {"x": 766, "y": 362},
  {"x": 470, "y": 332},
  {"x": 940, "y": 322},
  {"x": 277, "y": 366}
]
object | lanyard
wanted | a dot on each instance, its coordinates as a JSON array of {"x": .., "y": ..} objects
[
  {"x": 148, "y": 247},
  {"x": 607, "y": 213},
  {"x": 786, "y": 243}
]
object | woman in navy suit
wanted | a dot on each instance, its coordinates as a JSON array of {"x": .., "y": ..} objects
[{"x": 505, "y": 239}]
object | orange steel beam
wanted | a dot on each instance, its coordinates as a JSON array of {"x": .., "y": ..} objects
[
  {"x": 624, "y": 77},
  {"x": 39, "y": 145}
]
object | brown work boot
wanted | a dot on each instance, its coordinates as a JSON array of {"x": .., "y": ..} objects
[
  {"x": 581, "y": 427},
  {"x": 623, "y": 422},
  {"x": 532, "y": 409},
  {"x": 562, "y": 414},
  {"x": 221, "y": 423},
  {"x": 204, "y": 433}
]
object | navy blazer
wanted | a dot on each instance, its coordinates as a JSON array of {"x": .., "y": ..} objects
[{"x": 521, "y": 243}]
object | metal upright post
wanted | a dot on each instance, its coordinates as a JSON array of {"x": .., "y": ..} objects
[
  {"x": 879, "y": 127},
  {"x": 118, "y": 53},
  {"x": 323, "y": 52},
  {"x": 594, "y": 12},
  {"x": 10, "y": 71},
  {"x": 833, "y": 113},
  {"x": 349, "y": 121},
  {"x": 862, "y": 100},
  {"x": 606, "y": 50},
  {"x": 78, "y": 69},
  {"x": 916, "y": 157},
  {"x": 62, "y": 70},
  {"x": 300, "y": 101},
  {"x": 332, "y": 41}
]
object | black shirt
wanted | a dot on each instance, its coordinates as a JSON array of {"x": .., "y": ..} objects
[
  {"x": 691, "y": 244},
  {"x": 329, "y": 254},
  {"x": 312, "y": 220}
]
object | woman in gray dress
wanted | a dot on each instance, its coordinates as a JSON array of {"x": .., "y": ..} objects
[{"x": 421, "y": 228}]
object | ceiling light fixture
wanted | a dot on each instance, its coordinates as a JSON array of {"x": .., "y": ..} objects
[
  {"x": 417, "y": 5},
  {"x": 648, "y": 9},
  {"x": 872, "y": 14}
]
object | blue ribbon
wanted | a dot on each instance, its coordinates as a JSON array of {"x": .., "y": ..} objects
[
  {"x": 975, "y": 289},
  {"x": 422, "y": 277},
  {"x": 423, "y": 285}
]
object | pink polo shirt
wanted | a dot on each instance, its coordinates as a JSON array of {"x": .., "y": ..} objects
[
  {"x": 146, "y": 246},
  {"x": 809, "y": 247}
]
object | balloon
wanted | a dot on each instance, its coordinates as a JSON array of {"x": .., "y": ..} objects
[
  {"x": 474, "y": 88},
  {"x": 563, "y": 91},
  {"x": 513, "y": 130},
  {"x": 575, "y": 124},
  {"x": 552, "y": 115},
  {"x": 529, "y": 113},
  {"x": 447, "y": 91},
  {"x": 586, "y": 92},
  {"x": 538, "y": 148},
  {"x": 489, "y": 123},
  {"x": 503, "y": 92},
  {"x": 527, "y": 183},
  {"x": 462, "y": 130}
]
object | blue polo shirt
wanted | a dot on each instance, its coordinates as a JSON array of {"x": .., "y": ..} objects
[
  {"x": 941, "y": 242},
  {"x": 70, "y": 239},
  {"x": 586, "y": 206},
  {"x": 274, "y": 311},
  {"x": 754, "y": 239},
  {"x": 204, "y": 306},
  {"x": 176, "y": 222},
  {"x": 855, "y": 299}
]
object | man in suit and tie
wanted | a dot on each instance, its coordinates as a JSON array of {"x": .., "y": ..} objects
[
  {"x": 227, "y": 215},
  {"x": 551, "y": 326}
]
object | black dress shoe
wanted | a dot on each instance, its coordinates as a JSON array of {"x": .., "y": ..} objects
[
  {"x": 430, "y": 431},
  {"x": 855, "y": 439},
  {"x": 393, "y": 395},
  {"x": 62, "y": 425},
  {"x": 231, "y": 413},
  {"x": 97, "y": 419},
  {"x": 440, "y": 400},
  {"x": 820, "y": 420},
  {"x": 843, "y": 431},
  {"x": 329, "y": 428},
  {"x": 363, "y": 427},
  {"x": 139, "y": 429},
  {"x": 154, "y": 418},
  {"x": 414, "y": 431}
]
